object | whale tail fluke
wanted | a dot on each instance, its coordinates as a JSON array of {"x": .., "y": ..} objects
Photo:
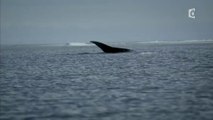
[{"x": 109, "y": 49}]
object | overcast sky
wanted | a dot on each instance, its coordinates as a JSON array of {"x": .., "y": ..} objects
[{"x": 61, "y": 21}]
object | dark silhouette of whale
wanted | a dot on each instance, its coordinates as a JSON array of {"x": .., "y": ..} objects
[{"x": 109, "y": 49}]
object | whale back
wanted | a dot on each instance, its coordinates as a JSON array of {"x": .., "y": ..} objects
[{"x": 109, "y": 49}]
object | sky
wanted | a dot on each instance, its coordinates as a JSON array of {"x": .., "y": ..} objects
[{"x": 62, "y": 21}]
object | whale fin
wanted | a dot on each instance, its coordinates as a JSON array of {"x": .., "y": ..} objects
[{"x": 109, "y": 49}]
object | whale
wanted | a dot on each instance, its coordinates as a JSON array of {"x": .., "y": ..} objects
[{"x": 109, "y": 49}]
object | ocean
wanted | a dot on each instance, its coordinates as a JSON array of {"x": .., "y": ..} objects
[{"x": 154, "y": 82}]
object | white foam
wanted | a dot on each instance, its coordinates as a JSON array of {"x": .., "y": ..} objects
[
  {"x": 78, "y": 44},
  {"x": 146, "y": 53}
]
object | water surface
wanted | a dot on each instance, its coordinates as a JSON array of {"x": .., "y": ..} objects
[{"x": 155, "y": 82}]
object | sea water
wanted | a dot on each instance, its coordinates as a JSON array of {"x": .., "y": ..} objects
[{"x": 154, "y": 82}]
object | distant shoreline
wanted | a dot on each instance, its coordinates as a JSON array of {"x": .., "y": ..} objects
[{"x": 80, "y": 44}]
